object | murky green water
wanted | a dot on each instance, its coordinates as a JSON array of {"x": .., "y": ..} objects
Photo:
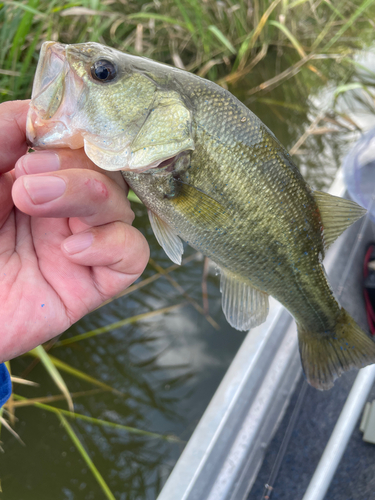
[{"x": 165, "y": 368}]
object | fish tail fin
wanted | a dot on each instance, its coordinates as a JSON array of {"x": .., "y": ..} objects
[{"x": 325, "y": 356}]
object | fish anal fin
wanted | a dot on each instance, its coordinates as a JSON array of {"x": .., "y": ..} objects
[
  {"x": 167, "y": 239},
  {"x": 337, "y": 215},
  {"x": 244, "y": 306},
  {"x": 325, "y": 356}
]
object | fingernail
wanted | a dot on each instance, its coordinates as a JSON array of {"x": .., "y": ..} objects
[
  {"x": 39, "y": 162},
  {"x": 78, "y": 242},
  {"x": 44, "y": 189}
]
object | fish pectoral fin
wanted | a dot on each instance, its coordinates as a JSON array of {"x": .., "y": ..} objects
[
  {"x": 337, "y": 215},
  {"x": 166, "y": 132},
  {"x": 326, "y": 355},
  {"x": 244, "y": 306},
  {"x": 167, "y": 239},
  {"x": 202, "y": 209}
]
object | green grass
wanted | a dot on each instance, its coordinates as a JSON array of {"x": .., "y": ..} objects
[
  {"x": 191, "y": 32},
  {"x": 86, "y": 457}
]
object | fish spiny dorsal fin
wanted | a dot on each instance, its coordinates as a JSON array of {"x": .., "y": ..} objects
[
  {"x": 167, "y": 239},
  {"x": 337, "y": 215},
  {"x": 243, "y": 306}
]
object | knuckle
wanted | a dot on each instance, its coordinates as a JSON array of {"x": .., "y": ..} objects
[
  {"x": 136, "y": 249},
  {"x": 130, "y": 215},
  {"x": 97, "y": 189}
]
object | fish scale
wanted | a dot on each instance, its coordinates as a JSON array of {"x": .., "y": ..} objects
[
  {"x": 251, "y": 261},
  {"x": 212, "y": 174}
]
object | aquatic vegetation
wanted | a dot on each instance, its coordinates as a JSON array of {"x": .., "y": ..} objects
[{"x": 222, "y": 40}]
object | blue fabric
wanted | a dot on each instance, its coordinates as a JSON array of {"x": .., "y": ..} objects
[{"x": 5, "y": 385}]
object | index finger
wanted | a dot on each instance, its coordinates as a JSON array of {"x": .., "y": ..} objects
[{"x": 12, "y": 133}]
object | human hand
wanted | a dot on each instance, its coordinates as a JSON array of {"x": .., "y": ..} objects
[{"x": 66, "y": 240}]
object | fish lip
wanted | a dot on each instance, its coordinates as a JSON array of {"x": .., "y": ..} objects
[
  {"x": 50, "y": 52},
  {"x": 57, "y": 90}
]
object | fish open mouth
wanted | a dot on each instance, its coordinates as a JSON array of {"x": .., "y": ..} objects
[
  {"x": 55, "y": 97},
  {"x": 71, "y": 108}
]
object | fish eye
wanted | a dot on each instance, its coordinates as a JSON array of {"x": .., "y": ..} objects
[{"x": 103, "y": 70}]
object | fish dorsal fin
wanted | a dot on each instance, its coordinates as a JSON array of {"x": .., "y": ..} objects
[
  {"x": 167, "y": 239},
  {"x": 337, "y": 215},
  {"x": 243, "y": 305}
]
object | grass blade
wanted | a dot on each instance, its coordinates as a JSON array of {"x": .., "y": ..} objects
[
  {"x": 23, "y": 381},
  {"x": 283, "y": 104},
  {"x": 159, "y": 17},
  {"x": 12, "y": 431},
  {"x": 295, "y": 43},
  {"x": 359, "y": 11},
  {"x": 341, "y": 89},
  {"x": 30, "y": 50},
  {"x": 222, "y": 38},
  {"x": 133, "y": 197},
  {"x": 189, "y": 25},
  {"x": 289, "y": 35},
  {"x": 9, "y": 72},
  {"x": 239, "y": 73},
  {"x": 97, "y": 421},
  {"x": 327, "y": 27},
  {"x": 296, "y": 3},
  {"x": 360, "y": 66},
  {"x": 55, "y": 375},
  {"x": 242, "y": 51},
  {"x": 84, "y": 11},
  {"x": 86, "y": 458},
  {"x": 307, "y": 132},
  {"x": 118, "y": 324},
  {"x": 27, "y": 8},
  {"x": 288, "y": 73},
  {"x": 22, "y": 31},
  {"x": 53, "y": 399},
  {"x": 257, "y": 32},
  {"x": 333, "y": 8},
  {"x": 78, "y": 373}
]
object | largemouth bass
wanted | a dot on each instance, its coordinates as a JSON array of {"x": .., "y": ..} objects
[{"x": 212, "y": 174}]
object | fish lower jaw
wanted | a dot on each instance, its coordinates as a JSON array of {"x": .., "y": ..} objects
[
  {"x": 44, "y": 134},
  {"x": 123, "y": 159}
]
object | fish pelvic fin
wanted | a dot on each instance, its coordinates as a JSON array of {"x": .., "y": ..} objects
[
  {"x": 337, "y": 214},
  {"x": 167, "y": 239},
  {"x": 325, "y": 356}
]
